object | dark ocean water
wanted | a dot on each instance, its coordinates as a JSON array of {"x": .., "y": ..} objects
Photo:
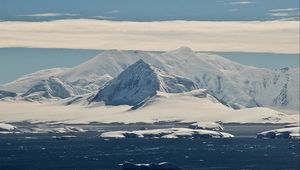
[{"x": 87, "y": 151}]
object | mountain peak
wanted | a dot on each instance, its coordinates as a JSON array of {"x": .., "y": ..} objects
[
  {"x": 183, "y": 50},
  {"x": 139, "y": 82},
  {"x": 140, "y": 61},
  {"x": 132, "y": 86},
  {"x": 111, "y": 51}
]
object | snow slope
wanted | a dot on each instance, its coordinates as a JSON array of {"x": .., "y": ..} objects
[
  {"x": 24, "y": 83},
  {"x": 236, "y": 84},
  {"x": 6, "y": 127},
  {"x": 194, "y": 106},
  {"x": 50, "y": 88},
  {"x": 139, "y": 82}
]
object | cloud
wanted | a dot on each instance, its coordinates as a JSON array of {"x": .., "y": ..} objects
[
  {"x": 288, "y": 19},
  {"x": 244, "y": 36},
  {"x": 285, "y": 13},
  {"x": 49, "y": 15},
  {"x": 103, "y": 17},
  {"x": 233, "y": 10},
  {"x": 284, "y": 10},
  {"x": 280, "y": 14},
  {"x": 241, "y": 3},
  {"x": 115, "y": 11}
]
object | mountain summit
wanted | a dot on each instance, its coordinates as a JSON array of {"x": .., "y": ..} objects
[{"x": 139, "y": 82}]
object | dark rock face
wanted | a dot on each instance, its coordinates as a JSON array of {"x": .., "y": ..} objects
[
  {"x": 139, "y": 82},
  {"x": 282, "y": 98},
  {"x": 274, "y": 135},
  {"x": 7, "y": 94}
]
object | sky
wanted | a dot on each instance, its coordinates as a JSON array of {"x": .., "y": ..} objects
[
  {"x": 150, "y": 10},
  {"x": 38, "y": 34}
]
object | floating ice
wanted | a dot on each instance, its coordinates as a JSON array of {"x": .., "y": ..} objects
[
  {"x": 207, "y": 126},
  {"x": 152, "y": 166},
  {"x": 167, "y": 133},
  {"x": 287, "y": 133}
]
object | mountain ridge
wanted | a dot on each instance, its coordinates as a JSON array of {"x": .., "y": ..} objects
[
  {"x": 50, "y": 88},
  {"x": 236, "y": 84}
]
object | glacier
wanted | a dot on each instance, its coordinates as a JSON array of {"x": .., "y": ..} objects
[{"x": 188, "y": 107}]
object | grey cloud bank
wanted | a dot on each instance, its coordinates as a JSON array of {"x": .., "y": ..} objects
[{"x": 245, "y": 36}]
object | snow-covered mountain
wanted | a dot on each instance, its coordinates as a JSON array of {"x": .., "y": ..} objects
[
  {"x": 236, "y": 84},
  {"x": 50, "y": 88},
  {"x": 140, "y": 81}
]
